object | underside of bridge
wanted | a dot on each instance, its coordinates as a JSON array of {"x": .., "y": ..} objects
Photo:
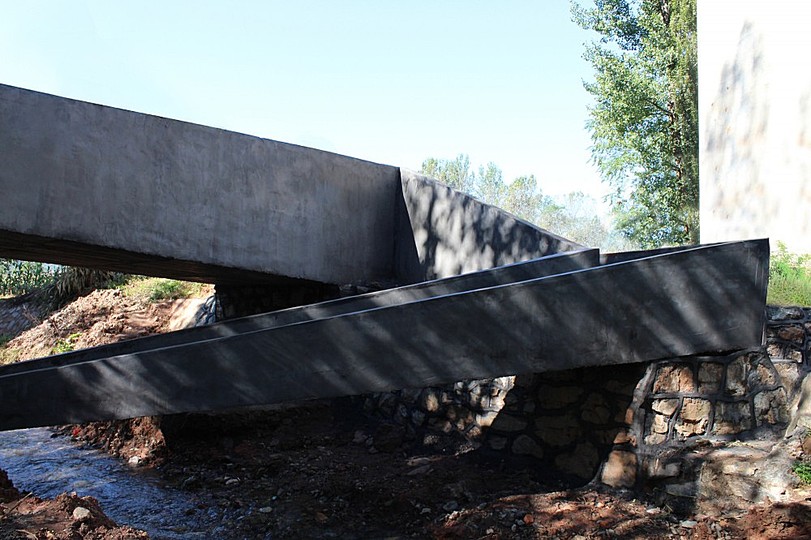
[{"x": 469, "y": 291}]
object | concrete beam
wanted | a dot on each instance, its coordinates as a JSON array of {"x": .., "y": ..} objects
[
  {"x": 443, "y": 232},
  {"x": 169, "y": 192},
  {"x": 546, "y": 266},
  {"x": 89, "y": 185},
  {"x": 697, "y": 300}
]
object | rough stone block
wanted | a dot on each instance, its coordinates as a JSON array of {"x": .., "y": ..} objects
[
  {"x": 623, "y": 436},
  {"x": 770, "y": 407},
  {"x": 486, "y": 419},
  {"x": 417, "y": 418},
  {"x": 581, "y": 462},
  {"x": 665, "y": 406},
  {"x": 619, "y": 470},
  {"x": 524, "y": 445},
  {"x": 710, "y": 377},
  {"x": 557, "y": 397},
  {"x": 655, "y": 438},
  {"x": 659, "y": 468},
  {"x": 493, "y": 403},
  {"x": 659, "y": 424},
  {"x": 788, "y": 372},
  {"x": 497, "y": 443},
  {"x": 693, "y": 417},
  {"x": 779, "y": 313},
  {"x": 731, "y": 417},
  {"x": 764, "y": 374},
  {"x": 622, "y": 387},
  {"x": 674, "y": 378},
  {"x": 558, "y": 430},
  {"x": 737, "y": 374},
  {"x": 440, "y": 424},
  {"x": 429, "y": 400},
  {"x": 508, "y": 424},
  {"x": 595, "y": 410},
  {"x": 779, "y": 351},
  {"x": 793, "y": 333}
]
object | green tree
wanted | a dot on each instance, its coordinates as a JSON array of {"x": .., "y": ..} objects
[
  {"x": 454, "y": 173},
  {"x": 20, "y": 277},
  {"x": 521, "y": 197},
  {"x": 644, "y": 122}
]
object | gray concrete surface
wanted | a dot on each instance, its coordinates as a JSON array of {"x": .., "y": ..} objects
[
  {"x": 533, "y": 269},
  {"x": 89, "y": 185},
  {"x": 99, "y": 176},
  {"x": 445, "y": 233},
  {"x": 696, "y": 300}
]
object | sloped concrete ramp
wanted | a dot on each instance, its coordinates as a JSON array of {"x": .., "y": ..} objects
[{"x": 680, "y": 302}]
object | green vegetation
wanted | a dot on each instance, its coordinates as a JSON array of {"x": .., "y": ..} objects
[
  {"x": 156, "y": 289},
  {"x": 70, "y": 282},
  {"x": 573, "y": 216},
  {"x": 8, "y": 355},
  {"x": 21, "y": 277},
  {"x": 803, "y": 471},
  {"x": 56, "y": 285},
  {"x": 644, "y": 121},
  {"x": 65, "y": 345},
  {"x": 789, "y": 278}
]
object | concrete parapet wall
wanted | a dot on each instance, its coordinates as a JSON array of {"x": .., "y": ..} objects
[
  {"x": 102, "y": 176},
  {"x": 443, "y": 233}
]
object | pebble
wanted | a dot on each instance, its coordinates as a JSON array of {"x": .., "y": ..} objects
[
  {"x": 688, "y": 523},
  {"x": 419, "y": 470},
  {"x": 450, "y": 506},
  {"x": 80, "y": 513},
  {"x": 266, "y": 510},
  {"x": 232, "y": 482}
]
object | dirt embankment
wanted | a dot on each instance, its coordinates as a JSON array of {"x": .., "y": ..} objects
[{"x": 323, "y": 470}]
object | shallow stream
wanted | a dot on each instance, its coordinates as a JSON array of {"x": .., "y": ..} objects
[{"x": 47, "y": 465}]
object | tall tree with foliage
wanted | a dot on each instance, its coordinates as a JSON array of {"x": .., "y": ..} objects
[
  {"x": 521, "y": 197},
  {"x": 574, "y": 216},
  {"x": 644, "y": 123}
]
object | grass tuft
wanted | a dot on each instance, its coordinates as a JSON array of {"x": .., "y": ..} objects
[
  {"x": 789, "y": 278},
  {"x": 66, "y": 345},
  {"x": 157, "y": 289},
  {"x": 803, "y": 471}
]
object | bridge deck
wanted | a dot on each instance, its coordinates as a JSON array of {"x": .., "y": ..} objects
[{"x": 694, "y": 300}]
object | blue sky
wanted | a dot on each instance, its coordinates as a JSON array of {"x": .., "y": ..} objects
[{"x": 392, "y": 82}]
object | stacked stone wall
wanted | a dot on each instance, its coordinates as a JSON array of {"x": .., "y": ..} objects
[
  {"x": 16, "y": 316},
  {"x": 626, "y": 426},
  {"x": 788, "y": 343},
  {"x": 244, "y": 300}
]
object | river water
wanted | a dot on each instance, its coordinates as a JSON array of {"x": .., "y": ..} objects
[{"x": 47, "y": 465}]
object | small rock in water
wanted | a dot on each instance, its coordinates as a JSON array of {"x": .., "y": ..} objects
[
  {"x": 80, "y": 513},
  {"x": 266, "y": 509},
  {"x": 134, "y": 461},
  {"x": 450, "y": 506}
]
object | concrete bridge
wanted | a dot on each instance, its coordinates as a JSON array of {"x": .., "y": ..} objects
[{"x": 470, "y": 290}]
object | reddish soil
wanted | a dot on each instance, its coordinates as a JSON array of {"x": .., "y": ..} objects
[{"x": 322, "y": 470}]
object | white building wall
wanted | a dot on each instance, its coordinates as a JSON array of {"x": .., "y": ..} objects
[{"x": 754, "y": 63}]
